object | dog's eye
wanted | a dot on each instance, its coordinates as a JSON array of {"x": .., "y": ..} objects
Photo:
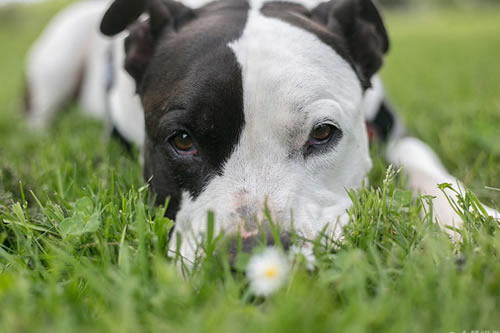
[
  {"x": 321, "y": 134},
  {"x": 183, "y": 144}
]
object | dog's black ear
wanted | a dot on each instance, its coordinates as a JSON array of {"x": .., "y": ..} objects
[
  {"x": 361, "y": 24},
  {"x": 120, "y": 14},
  {"x": 164, "y": 16}
]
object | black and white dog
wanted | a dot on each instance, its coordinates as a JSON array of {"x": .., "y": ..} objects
[{"x": 237, "y": 104}]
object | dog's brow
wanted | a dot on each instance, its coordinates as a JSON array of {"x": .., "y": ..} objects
[
  {"x": 174, "y": 107},
  {"x": 168, "y": 116}
]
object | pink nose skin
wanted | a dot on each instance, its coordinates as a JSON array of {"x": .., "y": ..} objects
[
  {"x": 247, "y": 217},
  {"x": 249, "y": 209}
]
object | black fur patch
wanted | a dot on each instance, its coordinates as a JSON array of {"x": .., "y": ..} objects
[
  {"x": 384, "y": 122},
  {"x": 193, "y": 83}
]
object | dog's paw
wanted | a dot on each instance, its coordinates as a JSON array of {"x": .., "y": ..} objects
[
  {"x": 443, "y": 211},
  {"x": 493, "y": 213},
  {"x": 445, "y": 205}
]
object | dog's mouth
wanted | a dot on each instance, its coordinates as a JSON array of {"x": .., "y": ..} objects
[{"x": 245, "y": 244}]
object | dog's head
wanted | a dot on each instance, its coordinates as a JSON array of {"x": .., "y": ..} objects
[{"x": 252, "y": 103}]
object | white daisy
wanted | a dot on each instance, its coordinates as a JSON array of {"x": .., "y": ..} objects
[{"x": 267, "y": 271}]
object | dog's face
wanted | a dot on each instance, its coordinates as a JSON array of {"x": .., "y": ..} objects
[{"x": 254, "y": 105}]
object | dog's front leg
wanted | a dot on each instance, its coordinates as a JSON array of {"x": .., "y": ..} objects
[
  {"x": 425, "y": 172},
  {"x": 418, "y": 161}
]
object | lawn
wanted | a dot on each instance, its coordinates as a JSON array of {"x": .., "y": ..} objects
[{"x": 395, "y": 271}]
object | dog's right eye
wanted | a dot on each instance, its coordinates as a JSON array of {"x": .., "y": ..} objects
[{"x": 183, "y": 144}]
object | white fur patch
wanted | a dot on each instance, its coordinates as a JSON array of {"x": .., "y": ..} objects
[
  {"x": 72, "y": 48},
  {"x": 291, "y": 82},
  {"x": 373, "y": 98},
  {"x": 127, "y": 114},
  {"x": 57, "y": 61}
]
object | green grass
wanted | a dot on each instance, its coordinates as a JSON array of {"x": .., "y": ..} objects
[{"x": 395, "y": 272}]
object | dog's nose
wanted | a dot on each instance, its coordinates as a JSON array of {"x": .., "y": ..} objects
[{"x": 246, "y": 243}]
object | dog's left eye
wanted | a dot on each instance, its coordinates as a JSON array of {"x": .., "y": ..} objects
[{"x": 321, "y": 134}]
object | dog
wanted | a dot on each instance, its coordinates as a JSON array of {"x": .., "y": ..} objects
[{"x": 237, "y": 105}]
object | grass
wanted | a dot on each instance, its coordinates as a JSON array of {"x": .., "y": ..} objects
[{"x": 395, "y": 271}]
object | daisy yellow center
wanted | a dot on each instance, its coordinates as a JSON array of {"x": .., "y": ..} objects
[{"x": 271, "y": 272}]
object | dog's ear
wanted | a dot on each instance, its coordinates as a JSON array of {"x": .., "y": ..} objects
[
  {"x": 120, "y": 14},
  {"x": 165, "y": 16},
  {"x": 361, "y": 24}
]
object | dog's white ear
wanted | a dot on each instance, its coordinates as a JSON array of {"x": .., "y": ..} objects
[
  {"x": 361, "y": 24},
  {"x": 164, "y": 16}
]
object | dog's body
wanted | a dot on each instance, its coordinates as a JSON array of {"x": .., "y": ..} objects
[
  {"x": 245, "y": 104},
  {"x": 87, "y": 65}
]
